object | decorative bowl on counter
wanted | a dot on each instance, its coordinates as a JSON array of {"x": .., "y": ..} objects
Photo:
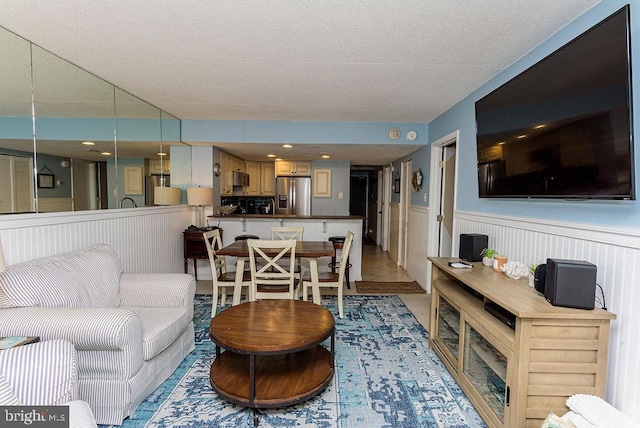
[{"x": 226, "y": 209}]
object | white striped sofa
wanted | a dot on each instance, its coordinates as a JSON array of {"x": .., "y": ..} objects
[
  {"x": 131, "y": 331},
  {"x": 43, "y": 374}
]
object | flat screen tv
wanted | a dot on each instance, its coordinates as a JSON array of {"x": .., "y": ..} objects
[{"x": 563, "y": 128}]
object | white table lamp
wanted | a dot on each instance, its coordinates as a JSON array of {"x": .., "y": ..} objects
[
  {"x": 167, "y": 196},
  {"x": 199, "y": 197}
]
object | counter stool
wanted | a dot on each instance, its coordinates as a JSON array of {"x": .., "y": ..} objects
[
  {"x": 338, "y": 244},
  {"x": 245, "y": 237}
]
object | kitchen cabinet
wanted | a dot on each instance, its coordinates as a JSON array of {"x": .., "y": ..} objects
[
  {"x": 253, "y": 169},
  {"x": 293, "y": 168},
  {"x": 226, "y": 176},
  {"x": 229, "y": 164},
  {"x": 158, "y": 166},
  {"x": 514, "y": 376},
  {"x": 262, "y": 181},
  {"x": 490, "y": 154},
  {"x": 268, "y": 179}
]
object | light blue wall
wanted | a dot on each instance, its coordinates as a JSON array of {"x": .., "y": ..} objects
[
  {"x": 462, "y": 117},
  {"x": 299, "y": 132},
  {"x": 340, "y": 171},
  {"x": 419, "y": 160}
]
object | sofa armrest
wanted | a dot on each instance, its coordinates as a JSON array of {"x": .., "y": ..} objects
[
  {"x": 43, "y": 373},
  {"x": 157, "y": 290},
  {"x": 87, "y": 328}
]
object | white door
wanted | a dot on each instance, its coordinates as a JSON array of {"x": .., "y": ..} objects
[
  {"x": 380, "y": 204},
  {"x": 442, "y": 197},
  {"x": 405, "y": 201},
  {"x": 385, "y": 208},
  {"x": 445, "y": 232}
]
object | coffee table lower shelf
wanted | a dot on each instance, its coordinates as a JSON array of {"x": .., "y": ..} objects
[{"x": 280, "y": 380}]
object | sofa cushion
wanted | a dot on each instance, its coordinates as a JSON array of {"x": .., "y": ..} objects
[
  {"x": 84, "y": 278},
  {"x": 160, "y": 328},
  {"x": 7, "y": 396}
]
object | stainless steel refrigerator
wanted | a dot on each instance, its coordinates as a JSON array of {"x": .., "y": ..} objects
[{"x": 293, "y": 195}]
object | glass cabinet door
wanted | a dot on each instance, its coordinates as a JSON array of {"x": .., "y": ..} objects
[
  {"x": 448, "y": 327},
  {"x": 486, "y": 369}
]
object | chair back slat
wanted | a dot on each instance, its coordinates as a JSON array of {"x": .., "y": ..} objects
[
  {"x": 281, "y": 232},
  {"x": 270, "y": 272}
]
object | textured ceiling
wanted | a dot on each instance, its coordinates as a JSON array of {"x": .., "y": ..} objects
[{"x": 364, "y": 61}]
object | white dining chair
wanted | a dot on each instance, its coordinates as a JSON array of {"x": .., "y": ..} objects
[
  {"x": 222, "y": 279},
  {"x": 331, "y": 279},
  {"x": 276, "y": 278},
  {"x": 297, "y": 233}
]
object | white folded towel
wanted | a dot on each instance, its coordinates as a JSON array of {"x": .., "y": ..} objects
[{"x": 599, "y": 413}]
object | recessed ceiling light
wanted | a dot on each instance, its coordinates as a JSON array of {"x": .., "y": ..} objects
[
  {"x": 271, "y": 155},
  {"x": 161, "y": 154},
  {"x": 325, "y": 156},
  {"x": 278, "y": 159},
  {"x": 287, "y": 146},
  {"x": 520, "y": 137},
  {"x": 542, "y": 125},
  {"x": 105, "y": 153},
  {"x": 502, "y": 143},
  {"x": 88, "y": 143}
]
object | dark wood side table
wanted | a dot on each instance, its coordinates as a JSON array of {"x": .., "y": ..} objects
[{"x": 194, "y": 247}]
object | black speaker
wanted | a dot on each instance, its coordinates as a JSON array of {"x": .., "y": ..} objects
[
  {"x": 570, "y": 283},
  {"x": 539, "y": 277},
  {"x": 471, "y": 245}
]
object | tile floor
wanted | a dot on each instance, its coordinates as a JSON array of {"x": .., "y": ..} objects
[{"x": 376, "y": 266}]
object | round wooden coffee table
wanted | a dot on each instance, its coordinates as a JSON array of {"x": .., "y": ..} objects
[{"x": 273, "y": 357}]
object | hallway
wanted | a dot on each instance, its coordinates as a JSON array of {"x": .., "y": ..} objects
[{"x": 378, "y": 267}]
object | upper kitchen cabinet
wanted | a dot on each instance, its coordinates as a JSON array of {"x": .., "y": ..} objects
[
  {"x": 268, "y": 179},
  {"x": 228, "y": 165},
  {"x": 262, "y": 179},
  {"x": 293, "y": 168},
  {"x": 159, "y": 166}
]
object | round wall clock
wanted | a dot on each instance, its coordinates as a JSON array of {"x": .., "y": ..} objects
[{"x": 216, "y": 169}]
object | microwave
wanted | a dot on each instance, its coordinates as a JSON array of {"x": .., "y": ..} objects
[{"x": 240, "y": 179}]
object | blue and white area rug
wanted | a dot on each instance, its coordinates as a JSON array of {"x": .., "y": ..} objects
[{"x": 386, "y": 376}]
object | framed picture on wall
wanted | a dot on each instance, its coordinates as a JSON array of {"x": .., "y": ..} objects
[
  {"x": 46, "y": 181},
  {"x": 46, "y": 178},
  {"x": 396, "y": 183}
]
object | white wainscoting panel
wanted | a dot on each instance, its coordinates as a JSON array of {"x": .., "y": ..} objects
[
  {"x": 145, "y": 239},
  {"x": 394, "y": 230},
  {"x": 417, "y": 244},
  {"x": 616, "y": 253}
]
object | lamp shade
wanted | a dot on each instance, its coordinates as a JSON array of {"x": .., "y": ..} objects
[
  {"x": 167, "y": 196},
  {"x": 200, "y": 196}
]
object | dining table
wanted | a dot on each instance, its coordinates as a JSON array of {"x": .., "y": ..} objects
[{"x": 310, "y": 250}]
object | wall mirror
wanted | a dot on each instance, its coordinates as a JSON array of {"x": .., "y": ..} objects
[{"x": 84, "y": 130}]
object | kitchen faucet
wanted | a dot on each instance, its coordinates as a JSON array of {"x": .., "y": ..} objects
[{"x": 128, "y": 198}]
